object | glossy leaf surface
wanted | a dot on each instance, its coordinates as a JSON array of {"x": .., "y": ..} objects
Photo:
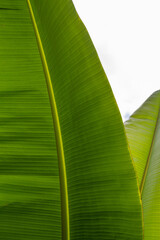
[
  {"x": 98, "y": 197},
  {"x": 143, "y": 132}
]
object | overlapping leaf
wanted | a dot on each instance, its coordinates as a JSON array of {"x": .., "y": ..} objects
[{"x": 143, "y": 132}]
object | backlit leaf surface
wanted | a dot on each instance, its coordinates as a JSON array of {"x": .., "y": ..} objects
[
  {"x": 143, "y": 132},
  {"x": 100, "y": 184}
]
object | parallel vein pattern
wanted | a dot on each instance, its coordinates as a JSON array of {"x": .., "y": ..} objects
[
  {"x": 59, "y": 141},
  {"x": 143, "y": 131},
  {"x": 140, "y": 129},
  {"x": 149, "y": 154},
  {"x": 102, "y": 187},
  {"x": 29, "y": 178}
]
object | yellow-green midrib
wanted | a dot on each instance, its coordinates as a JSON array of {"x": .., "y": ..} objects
[{"x": 58, "y": 135}]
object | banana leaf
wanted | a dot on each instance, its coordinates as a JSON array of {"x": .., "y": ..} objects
[
  {"x": 65, "y": 168},
  {"x": 143, "y": 132}
]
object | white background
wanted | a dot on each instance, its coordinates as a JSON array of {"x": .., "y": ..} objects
[{"x": 126, "y": 35}]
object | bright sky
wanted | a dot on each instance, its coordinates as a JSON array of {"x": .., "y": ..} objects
[{"x": 126, "y": 35}]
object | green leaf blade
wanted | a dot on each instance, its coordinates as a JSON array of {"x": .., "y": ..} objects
[
  {"x": 144, "y": 136},
  {"x": 102, "y": 187},
  {"x": 29, "y": 178},
  {"x": 101, "y": 183},
  {"x": 140, "y": 126}
]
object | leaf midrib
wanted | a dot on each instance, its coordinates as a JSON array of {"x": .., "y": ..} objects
[
  {"x": 58, "y": 135},
  {"x": 149, "y": 155}
]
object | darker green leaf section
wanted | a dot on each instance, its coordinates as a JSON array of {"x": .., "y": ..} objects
[{"x": 9, "y": 9}]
